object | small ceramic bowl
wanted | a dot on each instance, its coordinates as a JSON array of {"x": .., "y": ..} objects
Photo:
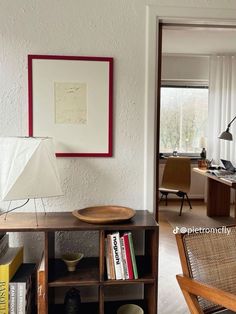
[
  {"x": 130, "y": 309},
  {"x": 72, "y": 259}
]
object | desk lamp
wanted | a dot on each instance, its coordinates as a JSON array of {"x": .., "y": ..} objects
[
  {"x": 226, "y": 135},
  {"x": 28, "y": 170}
]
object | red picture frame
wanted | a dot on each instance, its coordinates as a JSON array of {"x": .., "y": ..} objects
[{"x": 37, "y": 75}]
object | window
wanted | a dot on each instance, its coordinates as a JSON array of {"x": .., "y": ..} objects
[{"x": 183, "y": 120}]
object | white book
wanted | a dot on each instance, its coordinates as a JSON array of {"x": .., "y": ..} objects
[
  {"x": 116, "y": 252},
  {"x": 21, "y": 297},
  {"x": 13, "y": 297}
]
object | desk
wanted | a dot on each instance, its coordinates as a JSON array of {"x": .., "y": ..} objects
[{"x": 218, "y": 194}]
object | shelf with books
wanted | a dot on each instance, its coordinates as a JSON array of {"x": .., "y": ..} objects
[
  {"x": 10, "y": 260},
  {"x": 120, "y": 256},
  {"x": 144, "y": 275},
  {"x": 133, "y": 267},
  {"x": 17, "y": 280},
  {"x": 22, "y": 289},
  {"x": 52, "y": 274}
]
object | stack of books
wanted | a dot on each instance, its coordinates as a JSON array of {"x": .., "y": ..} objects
[
  {"x": 120, "y": 256},
  {"x": 15, "y": 279}
]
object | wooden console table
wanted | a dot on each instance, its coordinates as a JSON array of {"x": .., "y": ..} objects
[
  {"x": 218, "y": 194},
  {"x": 92, "y": 270}
]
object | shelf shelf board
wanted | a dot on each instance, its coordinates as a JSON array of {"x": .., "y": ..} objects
[
  {"x": 87, "y": 273},
  {"x": 143, "y": 280},
  {"x": 85, "y": 308},
  {"x": 65, "y": 221}
]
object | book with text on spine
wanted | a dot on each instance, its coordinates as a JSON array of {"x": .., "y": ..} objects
[
  {"x": 110, "y": 258},
  {"x": 128, "y": 256},
  {"x": 9, "y": 263},
  {"x": 117, "y": 258},
  {"x": 23, "y": 283},
  {"x": 12, "y": 298},
  {"x": 124, "y": 258}
]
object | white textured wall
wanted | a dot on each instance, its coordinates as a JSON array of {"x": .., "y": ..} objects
[
  {"x": 93, "y": 28},
  {"x": 113, "y": 28}
]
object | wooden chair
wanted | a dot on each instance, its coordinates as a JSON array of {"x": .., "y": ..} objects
[
  {"x": 208, "y": 261},
  {"x": 176, "y": 179}
]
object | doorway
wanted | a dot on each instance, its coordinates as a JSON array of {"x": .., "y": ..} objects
[
  {"x": 169, "y": 260},
  {"x": 154, "y": 16}
]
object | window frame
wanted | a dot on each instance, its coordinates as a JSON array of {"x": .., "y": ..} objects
[{"x": 182, "y": 84}]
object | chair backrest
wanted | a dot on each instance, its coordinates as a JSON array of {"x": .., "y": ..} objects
[
  {"x": 177, "y": 174},
  {"x": 211, "y": 259}
]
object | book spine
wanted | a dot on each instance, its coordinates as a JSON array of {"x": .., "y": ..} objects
[
  {"x": 133, "y": 258},
  {"x": 2, "y": 235},
  {"x": 115, "y": 238},
  {"x": 21, "y": 297},
  {"x": 3, "y": 294},
  {"x": 111, "y": 260},
  {"x": 41, "y": 286},
  {"x": 13, "y": 298},
  {"x": 6, "y": 273},
  {"x": 4, "y": 244},
  {"x": 128, "y": 256},
  {"x": 107, "y": 259},
  {"x": 29, "y": 288},
  {"x": 124, "y": 259}
]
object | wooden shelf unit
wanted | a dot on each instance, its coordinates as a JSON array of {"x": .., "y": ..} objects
[{"x": 92, "y": 271}]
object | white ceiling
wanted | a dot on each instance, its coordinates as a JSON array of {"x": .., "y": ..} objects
[{"x": 197, "y": 40}]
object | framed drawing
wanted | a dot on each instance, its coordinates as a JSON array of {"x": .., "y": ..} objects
[{"x": 70, "y": 99}]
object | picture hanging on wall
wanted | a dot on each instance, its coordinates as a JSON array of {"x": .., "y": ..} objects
[{"x": 70, "y": 100}]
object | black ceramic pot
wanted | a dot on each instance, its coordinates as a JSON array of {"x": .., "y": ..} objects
[{"x": 72, "y": 302}]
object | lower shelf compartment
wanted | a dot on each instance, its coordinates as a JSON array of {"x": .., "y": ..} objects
[
  {"x": 112, "y": 307},
  {"x": 93, "y": 308},
  {"x": 85, "y": 308},
  {"x": 87, "y": 273}
]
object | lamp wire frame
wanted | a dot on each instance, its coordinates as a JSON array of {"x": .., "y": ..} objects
[
  {"x": 17, "y": 207},
  {"x": 10, "y": 210}
]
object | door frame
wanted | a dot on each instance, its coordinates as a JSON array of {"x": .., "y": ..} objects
[{"x": 155, "y": 15}]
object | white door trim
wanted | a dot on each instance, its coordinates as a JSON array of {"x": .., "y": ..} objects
[{"x": 179, "y": 15}]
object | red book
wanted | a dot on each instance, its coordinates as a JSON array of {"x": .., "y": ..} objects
[{"x": 128, "y": 256}]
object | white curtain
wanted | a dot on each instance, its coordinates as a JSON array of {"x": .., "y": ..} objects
[{"x": 222, "y": 107}]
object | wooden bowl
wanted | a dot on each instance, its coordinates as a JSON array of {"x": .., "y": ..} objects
[{"x": 104, "y": 214}]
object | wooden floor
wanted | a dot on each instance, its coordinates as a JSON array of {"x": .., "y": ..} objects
[{"x": 170, "y": 299}]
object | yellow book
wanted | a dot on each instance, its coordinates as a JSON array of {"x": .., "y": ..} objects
[{"x": 9, "y": 263}]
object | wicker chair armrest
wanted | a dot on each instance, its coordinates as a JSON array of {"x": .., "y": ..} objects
[{"x": 215, "y": 295}]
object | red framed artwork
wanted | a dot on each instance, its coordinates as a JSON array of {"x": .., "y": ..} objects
[{"x": 70, "y": 100}]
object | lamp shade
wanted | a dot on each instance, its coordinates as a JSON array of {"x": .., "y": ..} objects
[
  {"x": 202, "y": 142},
  {"x": 226, "y": 135},
  {"x": 28, "y": 168}
]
